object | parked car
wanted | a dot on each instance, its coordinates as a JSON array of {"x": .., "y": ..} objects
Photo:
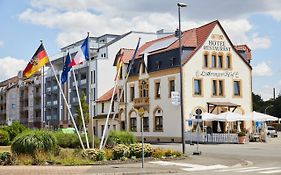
[{"x": 271, "y": 131}]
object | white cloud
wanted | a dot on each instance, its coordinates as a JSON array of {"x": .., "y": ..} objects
[
  {"x": 77, "y": 17},
  {"x": 10, "y": 66},
  {"x": 1, "y": 43},
  {"x": 262, "y": 69}
]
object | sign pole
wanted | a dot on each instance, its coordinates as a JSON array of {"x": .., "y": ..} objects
[{"x": 141, "y": 114}]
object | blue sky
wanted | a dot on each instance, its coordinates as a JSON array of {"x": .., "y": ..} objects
[{"x": 58, "y": 23}]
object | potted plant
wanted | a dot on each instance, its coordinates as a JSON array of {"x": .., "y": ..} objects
[{"x": 241, "y": 137}]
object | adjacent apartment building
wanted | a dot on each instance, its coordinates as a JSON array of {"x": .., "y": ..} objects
[{"x": 217, "y": 77}]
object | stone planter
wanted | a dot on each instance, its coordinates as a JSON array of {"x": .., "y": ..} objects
[{"x": 242, "y": 139}]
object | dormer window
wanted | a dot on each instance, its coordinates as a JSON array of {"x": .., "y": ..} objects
[
  {"x": 158, "y": 63},
  {"x": 172, "y": 62}
]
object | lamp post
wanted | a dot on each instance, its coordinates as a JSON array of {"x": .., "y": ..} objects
[
  {"x": 180, "y": 5},
  {"x": 267, "y": 108}
]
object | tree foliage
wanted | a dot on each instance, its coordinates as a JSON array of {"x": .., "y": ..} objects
[{"x": 85, "y": 109}]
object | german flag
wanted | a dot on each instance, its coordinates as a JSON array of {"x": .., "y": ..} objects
[{"x": 39, "y": 59}]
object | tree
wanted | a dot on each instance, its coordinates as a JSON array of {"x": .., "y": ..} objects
[
  {"x": 85, "y": 109},
  {"x": 258, "y": 103}
]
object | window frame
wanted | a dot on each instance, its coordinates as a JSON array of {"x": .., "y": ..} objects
[
  {"x": 157, "y": 89},
  {"x": 239, "y": 86},
  {"x": 200, "y": 80}
]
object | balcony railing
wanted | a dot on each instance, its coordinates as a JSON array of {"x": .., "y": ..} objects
[{"x": 141, "y": 102}]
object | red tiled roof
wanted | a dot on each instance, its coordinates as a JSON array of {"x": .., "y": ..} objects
[
  {"x": 125, "y": 55},
  {"x": 246, "y": 49},
  {"x": 191, "y": 38},
  {"x": 107, "y": 96}
]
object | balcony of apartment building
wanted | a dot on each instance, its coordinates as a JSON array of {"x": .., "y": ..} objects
[{"x": 2, "y": 119}]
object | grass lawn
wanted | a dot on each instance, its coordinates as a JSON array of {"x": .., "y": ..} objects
[{"x": 5, "y": 149}]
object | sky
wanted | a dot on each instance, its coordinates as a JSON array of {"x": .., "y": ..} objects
[{"x": 58, "y": 23}]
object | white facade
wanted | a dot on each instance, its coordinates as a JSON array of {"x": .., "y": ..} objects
[{"x": 195, "y": 69}]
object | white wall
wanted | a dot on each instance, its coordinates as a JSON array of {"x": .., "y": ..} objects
[{"x": 195, "y": 66}]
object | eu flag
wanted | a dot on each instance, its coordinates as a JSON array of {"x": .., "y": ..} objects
[{"x": 66, "y": 69}]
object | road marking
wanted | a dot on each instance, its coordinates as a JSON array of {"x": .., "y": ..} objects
[
  {"x": 203, "y": 168},
  {"x": 258, "y": 169},
  {"x": 235, "y": 169},
  {"x": 190, "y": 167},
  {"x": 271, "y": 172}
]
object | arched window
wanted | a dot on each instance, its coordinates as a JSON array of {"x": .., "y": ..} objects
[
  {"x": 220, "y": 60},
  {"x": 228, "y": 61},
  {"x": 133, "y": 121},
  {"x": 158, "y": 120}
]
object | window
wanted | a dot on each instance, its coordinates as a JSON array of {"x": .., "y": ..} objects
[
  {"x": 218, "y": 88},
  {"x": 158, "y": 123},
  {"x": 172, "y": 62},
  {"x": 133, "y": 124},
  {"x": 132, "y": 93},
  {"x": 214, "y": 61},
  {"x": 214, "y": 92},
  {"x": 171, "y": 87},
  {"x": 221, "y": 88},
  {"x": 145, "y": 124},
  {"x": 13, "y": 106},
  {"x": 112, "y": 107},
  {"x": 206, "y": 61},
  {"x": 220, "y": 61},
  {"x": 197, "y": 87},
  {"x": 237, "y": 88},
  {"x": 228, "y": 62},
  {"x": 158, "y": 63},
  {"x": 94, "y": 76},
  {"x": 157, "y": 90},
  {"x": 143, "y": 88},
  {"x": 102, "y": 107}
]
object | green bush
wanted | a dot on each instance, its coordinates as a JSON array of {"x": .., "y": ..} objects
[
  {"x": 35, "y": 141},
  {"x": 94, "y": 154},
  {"x": 69, "y": 140},
  {"x": 158, "y": 153},
  {"x": 162, "y": 153},
  {"x": 4, "y": 138},
  {"x": 6, "y": 158},
  {"x": 136, "y": 150},
  {"x": 120, "y": 151},
  {"x": 241, "y": 134},
  {"x": 15, "y": 129},
  {"x": 121, "y": 137}
]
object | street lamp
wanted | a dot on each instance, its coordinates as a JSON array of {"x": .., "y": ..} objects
[
  {"x": 180, "y": 5},
  {"x": 267, "y": 108}
]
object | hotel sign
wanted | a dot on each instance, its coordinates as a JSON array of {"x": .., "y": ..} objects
[
  {"x": 217, "y": 43},
  {"x": 213, "y": 74}
]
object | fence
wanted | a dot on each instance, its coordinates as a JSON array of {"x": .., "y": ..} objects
[{"x": 210, "y": 138}]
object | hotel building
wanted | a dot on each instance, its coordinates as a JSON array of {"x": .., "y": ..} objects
[{"x": 217, "y": 77}]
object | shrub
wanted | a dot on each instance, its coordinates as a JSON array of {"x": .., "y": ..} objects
[
  {"x": 158, "y": 153},
  {"x": 121, "y": 137},
  {"x": 4, "y": 138},
  {"x": 119, "y": 151},
  {"x": 136, "y": 150},
  {"x": 108, "y": 154},
  {"x": 71, "y": 140},
  {"x": 242, "y": 133},
  {"x": 15, "y": 129},
  {"x": 34, "y": 141},
  {"x": 94, "y": 154},
  {"x": 6, "y": 158}
]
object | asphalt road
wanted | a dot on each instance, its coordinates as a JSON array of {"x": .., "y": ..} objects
[{"x": 245, "y": 159}]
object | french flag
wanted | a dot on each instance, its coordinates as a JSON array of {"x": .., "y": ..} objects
[{"x": 82, "y": 54}]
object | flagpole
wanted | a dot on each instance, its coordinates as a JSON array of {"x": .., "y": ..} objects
[
  {"x": 68, "y": 108},
  {"x": 91, "y": 121},
  {"x": 122, "y": 91},
  {"x": 80, "y": 106},
  {"x": 109, "y": 109}
]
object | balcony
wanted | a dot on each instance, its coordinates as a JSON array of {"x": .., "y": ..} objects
[
  {"x": 83, "y": 81},
  {"x": 141, "y": 102}
]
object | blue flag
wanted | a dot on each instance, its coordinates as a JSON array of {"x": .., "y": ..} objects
[
  {"x": 66, "y": 69},
  {"x": 133, "y": 58}
]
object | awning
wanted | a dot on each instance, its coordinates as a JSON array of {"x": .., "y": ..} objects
[{"x": 212, "y": 106}]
